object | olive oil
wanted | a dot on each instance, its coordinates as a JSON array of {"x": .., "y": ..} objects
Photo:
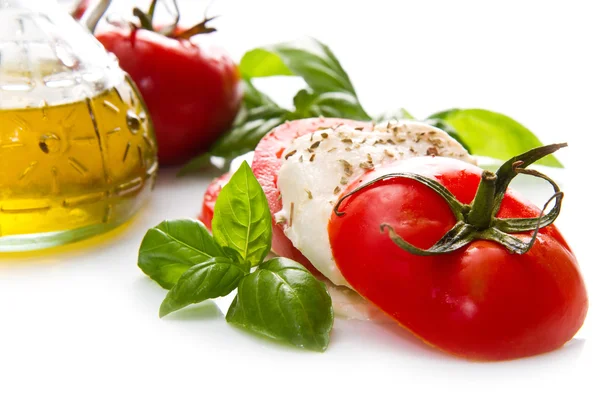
[
  {"x": 77, "y": 148},
  {"x": 68, "y": 171}
]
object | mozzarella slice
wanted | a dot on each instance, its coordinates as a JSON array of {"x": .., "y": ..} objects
[{"x": 317, "y": 167}]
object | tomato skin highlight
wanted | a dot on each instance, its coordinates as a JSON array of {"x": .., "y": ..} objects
[
  {"x": 266, "y": 165},
  {"x": 480, "y": 302},
  {"x": 192, "y": 91}
]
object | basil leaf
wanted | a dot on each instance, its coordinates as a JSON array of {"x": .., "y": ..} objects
[
  {"x": 302, "y": 102},
  {"x": 195, "y": 164},
  {"x": 330, "y": 93},
  {"x": 253, "y": 97},
  {"x": 172, "y": 247},
  {"x": 240, "y": 139},
  {"x": 333, "y": 104},
  {"x": 258, "y": 115},
  {"x": 307, "y": 58},
  {"x": 262, "y": 62},
  {"x": 492, "y": 134},
  {"x": 210, "y": 279},
  {"x": 311, "y": 60},
  {"x": 242, "y": 220},
  {"x": 282, "y": 300},
  {"x": 245, "y": 137}
]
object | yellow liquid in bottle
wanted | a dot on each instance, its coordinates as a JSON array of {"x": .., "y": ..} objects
[{"x": 73, "y": 170}]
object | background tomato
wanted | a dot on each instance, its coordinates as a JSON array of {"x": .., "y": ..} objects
[
  {"x": 481, "y": 301},
  {"x": 192, "y": 90}
]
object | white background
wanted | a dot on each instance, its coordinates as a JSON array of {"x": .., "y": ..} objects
[{"x": 79, "y": 324}]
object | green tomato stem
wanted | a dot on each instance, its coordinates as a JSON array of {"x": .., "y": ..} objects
[
  {"x": 200, "y": 28},
  {"x": 145, "y": 21},
  {"x": 478, "y": 221},
  {"x": 482, "y": 210}
]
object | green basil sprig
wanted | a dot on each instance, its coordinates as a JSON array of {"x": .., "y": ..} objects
[
  {"x": 330, "y": 93},
  {"x": 279, "y": 299},
  {"x": 282, "y": 300}
]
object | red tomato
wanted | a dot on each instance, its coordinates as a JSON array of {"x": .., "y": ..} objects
[
  {"x": 481, "y": 301},
  {"x": 192, "y": 91},
  {"x": 210, "y": 198},
  {"x": 266, "y": 165}
]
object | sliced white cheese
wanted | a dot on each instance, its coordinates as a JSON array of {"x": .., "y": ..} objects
[{"x": 317, "y": 167}]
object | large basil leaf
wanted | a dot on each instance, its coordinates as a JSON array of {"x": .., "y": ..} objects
[
  {"x": 307, "y": 58},
  {"x": 492, "y": 134},
  {"x": 210, "y": 279},
  {"x": 330, "y": 93},
  {"x": 196, "y": 164},
  {"x": 263, "y": 62},
  {"x": 244, "y": 138},
  {"x": 242, "y": 221},
  {"x": 258, "y": 115},
  {"x": 253, "y": 97},
  {"x": 315, "y": 63},
  {"x": 172, "y": 247},
  {"x": 282, "y": 300},
  {"x": 333, "y": 104}
]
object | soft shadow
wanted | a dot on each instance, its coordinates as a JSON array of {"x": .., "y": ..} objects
[
  {"x": 270, "y": 344},
  {"x": 202, "y": 311},
  {"x": 150, "y": 295},
  {"x": 393, "y": 338},
  {"x": 575, "y": 346},
  {"x": 411, "y": 341},
  {"x": 390, "y": 337},
  {"x": 566, "y": 355}
]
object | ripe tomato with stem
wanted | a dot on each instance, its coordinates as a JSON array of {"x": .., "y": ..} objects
[
  {"x": 459, "y": 259},
  {"x": 192, "y": 90}
]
